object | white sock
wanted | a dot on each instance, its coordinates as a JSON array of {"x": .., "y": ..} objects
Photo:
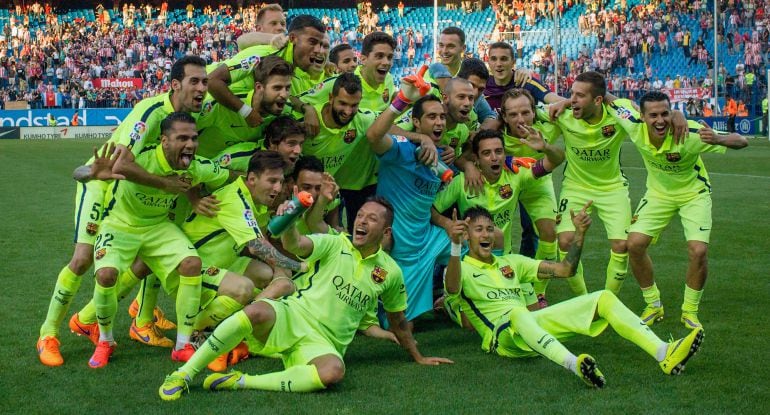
[
  {"x": 181, "y": 340},
  {"x": 106, "y": 337},
  {"x": 661, "y": 353},
  {"x": 570, "y": 363}
]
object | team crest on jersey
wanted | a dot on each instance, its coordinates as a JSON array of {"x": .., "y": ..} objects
[
  {"x": 379, "y": 274},
  {"x": 386, "y": 95},
  {"x": 623, "y": 113},
  {"x": 212, "y": 271},
  {"x": 92, "y": 228},
  {"x": 349, "y": 137},
  {"x": 249, "y": 62},
  {"x": 248, "y": 215},
  {"x": 608, "y": 130},
  {"x": 558, "y": 218},
  {"x": 100, "y": 253},
  {"x": 225, "y": 160},
  {"x": 506, "y": 192},
  {"x": 206, "y": 108},
  {"x": 673, "y": 157},
  {"x": 400, "y": 139},
  {"x": 634, "y": 219},
  {"x": 507, "y": 272},
  {"x": 454, "y": 141}
]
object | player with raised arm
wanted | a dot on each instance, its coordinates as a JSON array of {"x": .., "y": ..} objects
[
  {"x": 136, "y": 224},
  {"x": 140, "y": 128},
  {"x": 677, "y": 182},
  {"x": 489, "y": 287},
  {"x": 312, "y": 328}
]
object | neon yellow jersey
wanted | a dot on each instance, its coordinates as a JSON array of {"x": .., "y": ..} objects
[
  {"x": 219, "y": 127},
  {"x": 343, "y": 287},
  {"x": 375, "y": 99},
  {"x": 593, "y": 151},
  {"x": 333, "y": 146},
  {"x": 141, "y": 127},
  {"x": 514, "y": 147},
  {"x": 501, "y": 200},
  {"x": 220, "y": 240},
  {"x": 138, "y": 205},
  {"x": 241, "y": 67},
  {"x": 489, "y": 291},
  {"x": 674, "y": 171},
  {"x": 237, "y": 157}
]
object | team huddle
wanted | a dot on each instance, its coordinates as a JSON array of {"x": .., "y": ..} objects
[{"x": 194, "y": 193}]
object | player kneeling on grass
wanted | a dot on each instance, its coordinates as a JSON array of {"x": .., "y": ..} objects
[
  {"x": 677, "y": 182},
  {"x": 490, "y": 286},
  {"x": 312, "y": 329}
]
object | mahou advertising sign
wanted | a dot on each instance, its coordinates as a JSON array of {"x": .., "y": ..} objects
[{"x": 117, "y": 82}]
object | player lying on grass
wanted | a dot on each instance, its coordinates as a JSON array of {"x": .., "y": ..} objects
[
  {"x": 312, "y": 328},
  {"x": 677, "y": 182},
  {"x": 489, "y": 287}
]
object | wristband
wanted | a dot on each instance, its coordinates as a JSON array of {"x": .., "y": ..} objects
[
  {"x": 245, "y": 110},
  {"x": 538, "y": 169},
  {"x": 456, "y": 249},
  {"x": 399, "y": 104}
]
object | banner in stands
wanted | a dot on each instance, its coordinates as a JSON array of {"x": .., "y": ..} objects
[
  {"x": 117, "y": 82},
  {"x": 85, "y": 117},
  {"x": 743, "y": 125},
  {"x": 683, "y": 94},
  {"x": 57, "y": 133}
]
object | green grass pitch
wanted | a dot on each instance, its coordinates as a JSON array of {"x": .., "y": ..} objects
[{"x": 728, "y": 375}]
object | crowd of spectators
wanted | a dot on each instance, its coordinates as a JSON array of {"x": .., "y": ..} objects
[{"x": 52, "y": 62}]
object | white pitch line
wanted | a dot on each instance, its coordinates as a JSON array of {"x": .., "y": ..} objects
[{"x": 750, "y": 176}]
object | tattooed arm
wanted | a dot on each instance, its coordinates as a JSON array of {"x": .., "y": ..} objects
[
  {"x": 403, "y": 333},
  {"x": 567, "y": 267},
  {"x": 261, "y": 249}
]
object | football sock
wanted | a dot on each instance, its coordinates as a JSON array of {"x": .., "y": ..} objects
[
  {"x": 539, "y": 340},
  {"x": 627, "y": 324},
  {"x": 576, "y": 283},
  {"x": 67, "y": 285},
  {"x": 651, "y": 295},
  {"x": 545, "y": 251},
  {"x": 126, "y": 282},
  {"x": 188, "y": 299},
  {"x": 616, "y": 271},
  {"x": 303, "y": 378},
  {"x": 225, "y": 337},
  {"x": 219, "y": 309},
  {"x": 106, "y": 305},
  {"x": 691, "y": 300},
  {"x": 147, "y": 299}
]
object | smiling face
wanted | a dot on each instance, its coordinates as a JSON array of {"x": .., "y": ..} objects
[
  {"x": 460, "y": 101},
  {"x": 501, "y": 65},
  {"x": 490, "y": 158},
  {"x": 584, "y": 105},
  {"x": 433, "y": 120},
  {"x": 187, "y": 94},
  {"x": 264, "y": 187},
  {"x": 657, "y": 116},
  {"x": 275, "y": 94},
  {"x": 481, "y": 238},
  {"x": 369, "y": 227},
  {"x": 450, "y": 49},
  {"x": 179, "y": 144},
  {"x": 377, "y": 64},
  {"x": 310, "y": 50},
  {"x": 290, "y": 148},
  {"x": 347, "y": 61},
  {"x": 344, "y": 106},
  {"x": 517, "y": 112}
]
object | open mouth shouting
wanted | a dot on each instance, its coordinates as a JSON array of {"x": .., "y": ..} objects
[{"x": 185, "y": 158}]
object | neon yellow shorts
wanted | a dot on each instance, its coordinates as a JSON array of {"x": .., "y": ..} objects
[
  {"x": 655, "y": 212},
  {"x": 613, "y": 207},
  {"x": 562, "y": 320},
  {"x": 538, "y": 196},
  {"x": 162, "y": 247},
  {"x": 295, "y": 337},
  {"x": 89, "y": 203}
]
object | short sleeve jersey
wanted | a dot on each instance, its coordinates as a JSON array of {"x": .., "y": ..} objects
[
  {"x": 494, "y": 93},
  {"x": 674, "y": 171},
  {"x": 500, "y": 198},
  {"x": 489, "y": 291},
  {"x": 219, "y": 127},
  {"x": 333, "y": 146},
  {"x": 593, "y": 151},
  {"x": 137, "y": 205},
  {"x": 514, "y": 147},
  {"x": 237, "y": 157},
  {"x": 375, "y": 99},
  {"x": 220, "y": 240},
  {"x": 343, "y": 287},
  {"x": 141, "y": 127}
]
